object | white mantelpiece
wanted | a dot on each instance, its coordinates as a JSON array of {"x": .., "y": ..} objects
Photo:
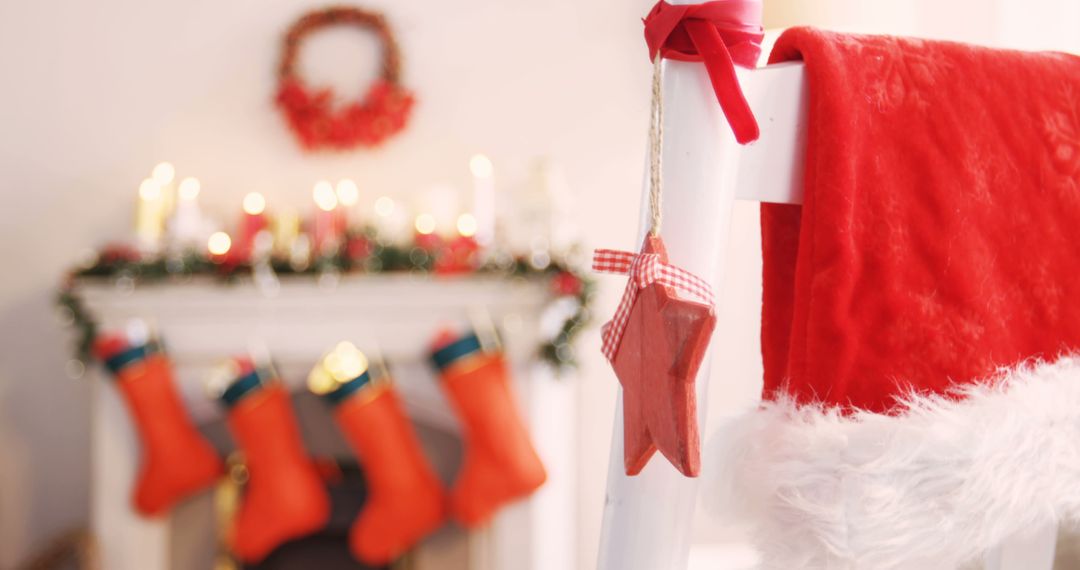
[{"x": 203, "y": 322}]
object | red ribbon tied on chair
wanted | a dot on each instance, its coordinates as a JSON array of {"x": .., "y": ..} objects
[
  {"x": 643, "y": 270},
  {"x": 722, "y": 34}
]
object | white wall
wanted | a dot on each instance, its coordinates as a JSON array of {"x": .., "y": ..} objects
[{"x": 92, "y": 94}]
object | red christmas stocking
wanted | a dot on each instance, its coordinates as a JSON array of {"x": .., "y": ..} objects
[
  {"x": 406, "y": 501},
  {"x": 285, "y": 498},
  {"x": 500, "y": 462},
  {"x": 177, "y": 461}
]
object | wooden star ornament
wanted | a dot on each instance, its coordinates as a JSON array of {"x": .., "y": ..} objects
[{"x": 656, "y": 344}]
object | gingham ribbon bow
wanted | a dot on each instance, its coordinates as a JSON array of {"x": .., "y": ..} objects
[{"x": 643, "y": 269}]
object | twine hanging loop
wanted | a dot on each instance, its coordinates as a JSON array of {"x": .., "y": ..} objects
[{"x": 656, "y": 146}]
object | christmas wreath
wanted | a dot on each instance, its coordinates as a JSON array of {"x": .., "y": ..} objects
[{"x": 315, "y": 117}]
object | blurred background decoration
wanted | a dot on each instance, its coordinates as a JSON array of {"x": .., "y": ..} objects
[
  {"x": 318, "y": 118},
  {"x": 272, "y": 510},
  {"x": 528, "y": 136},
  {"x": 174, "y": 240}
]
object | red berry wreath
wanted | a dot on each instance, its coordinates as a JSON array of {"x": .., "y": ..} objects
[{"x": 313, "y": 115}]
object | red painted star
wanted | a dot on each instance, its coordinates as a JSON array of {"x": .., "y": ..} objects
[{"x": 657, "y": 362}]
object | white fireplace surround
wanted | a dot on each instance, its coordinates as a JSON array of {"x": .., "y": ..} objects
[{"x": 203, "y": 322}]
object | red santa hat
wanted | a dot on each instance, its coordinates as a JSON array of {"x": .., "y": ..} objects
[{"x": 921, "y": 400}]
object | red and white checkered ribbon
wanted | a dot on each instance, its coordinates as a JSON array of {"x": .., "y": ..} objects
[{"x": 643, "y": 270}]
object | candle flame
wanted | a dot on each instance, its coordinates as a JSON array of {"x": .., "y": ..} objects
[
  {"x": 149, "y": 190},
  {"x": 219, "y": 243},
  {"x": 324, "y": 196},
  {"x": 163, "y": 173},
  {"x": 425, "y": 224},
  {"x": 348, "y": 194},
  {"x": 189, "y": 188},
  {"x": 466, "y": 225},
  {"x": 254, "y": 203},
  {"x": 481, "y": 166}
]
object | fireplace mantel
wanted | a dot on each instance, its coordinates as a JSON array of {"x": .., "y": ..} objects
[{"x": 296, "y": 320}]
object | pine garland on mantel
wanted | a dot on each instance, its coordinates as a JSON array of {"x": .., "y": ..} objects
[{"x": 126, "y": 269}]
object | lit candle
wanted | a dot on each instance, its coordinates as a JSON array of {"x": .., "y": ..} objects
[
  {"x": 384, "y": 208},
  {"x": 443, "y": 203},
  {"x": 426, "y": 237},
  {"x": 286, "y": 229},
  {"x": 187, "y": 222},
  {"x": 391, "y": 221},
  {"x": 300, "y": 257},
  {"x": 483, "y": 206},
  {"x": 164, "y": 173},
  {"x": 348, "y": 195},
  {"x": 324, "y": 234},
  {"x": 252, "y": 222},
  {"x": 149, "y": 216},
  {"x": 460, "y": 255},
  {"x": 562, "y": 226}
]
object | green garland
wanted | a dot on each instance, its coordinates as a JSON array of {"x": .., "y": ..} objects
[{"x": 122, "y": 265}]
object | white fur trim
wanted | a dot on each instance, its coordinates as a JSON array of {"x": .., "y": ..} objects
[{"x": 933, "y": 486}]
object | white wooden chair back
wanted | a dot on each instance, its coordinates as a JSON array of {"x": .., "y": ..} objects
[{"x": 647, "y": 518}]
